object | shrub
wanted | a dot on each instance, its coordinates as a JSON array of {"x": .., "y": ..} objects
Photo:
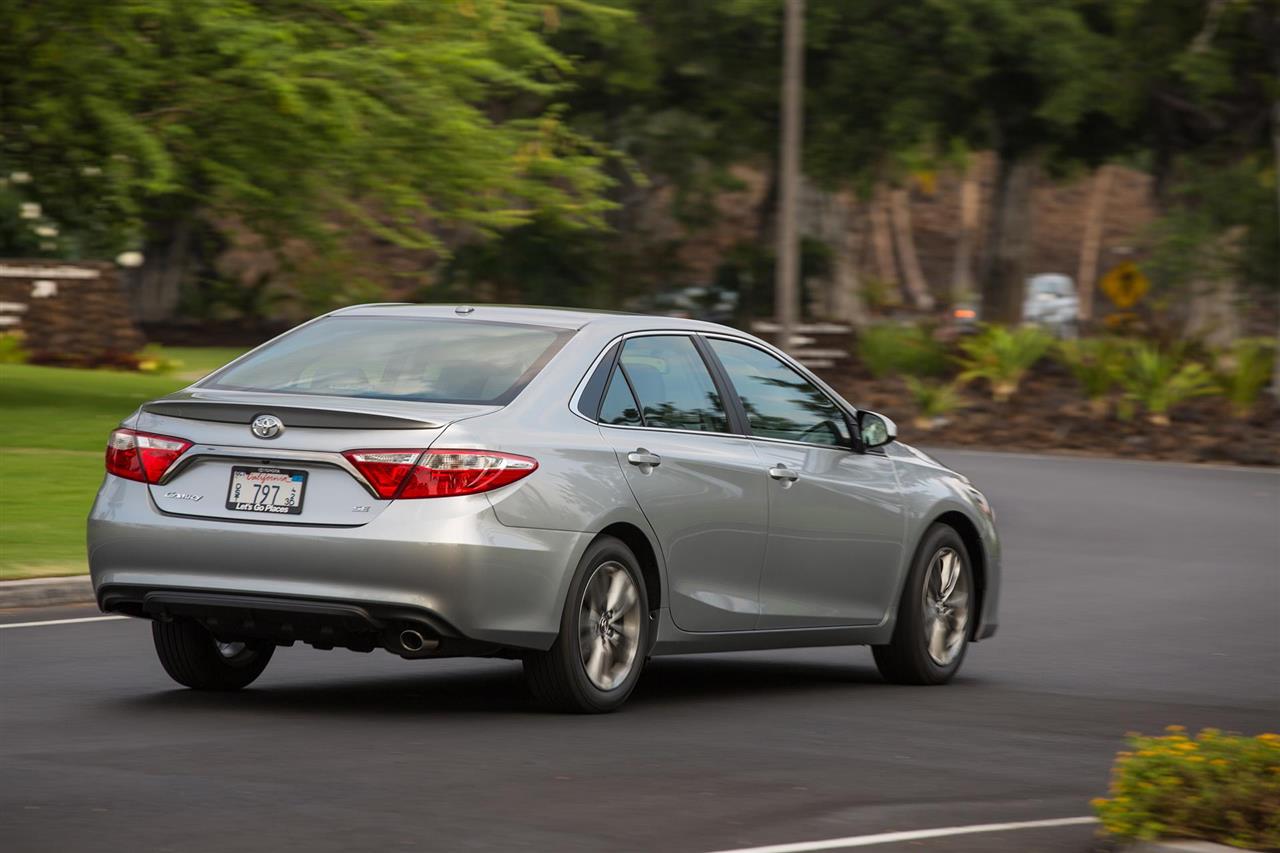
[
  {"x": 1094, "y": 362},
  {"x": 1215, "y": 787},
  {"x": 1244, "y": 371},
  {"x": 1157, "y": 380},
  {"x": 152, "y": 359},
  {"x": 890, "y": 349},
  {"x": 934, "y": 401},
  {"x": 11, "y": 351},
  {"x": 1001, "y": 357}
]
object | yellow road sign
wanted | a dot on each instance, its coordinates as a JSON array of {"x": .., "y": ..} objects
[{"x": 1125, "y": 284}]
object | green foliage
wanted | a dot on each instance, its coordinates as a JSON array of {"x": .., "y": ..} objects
[
  {"x": 1001, "y": 357},
  {"x": 1094, "y": 362},
  {"x": 11, "y": 350},
  {"x": 541, "y": 263},
  {"x": 890, "y": 349},
  {"x": 1220, "y": 224},
  {"x": 934, "y": 400},
  {"x": 153, "y": 359},
  {"x": 1244, "y": 371},
  {"x": 1216, "y": 787},
  {"x": 406, "y": 118},
  {"x": 1158, "y": 379}
]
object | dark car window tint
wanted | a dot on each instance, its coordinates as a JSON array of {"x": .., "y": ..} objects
[
  {"x": 432, "y": 360},
  {"x": 780, "y": 403},
  {"x": 619, "y": 407},
  {"x": 673, "y": 385}
]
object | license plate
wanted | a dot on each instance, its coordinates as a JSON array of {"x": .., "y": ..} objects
[{"x": 267, "y": 490}]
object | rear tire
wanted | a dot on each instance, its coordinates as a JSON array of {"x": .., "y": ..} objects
[
  {"x": 595, "y": 661},
  {"x": 195, "y": 658},
  {"x": 935, "y": 616}
]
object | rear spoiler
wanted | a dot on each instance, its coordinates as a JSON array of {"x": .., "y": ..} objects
[{"x": 300, "y": 416}]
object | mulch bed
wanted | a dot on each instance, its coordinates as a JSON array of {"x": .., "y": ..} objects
[{"x": 1048, "y": 414}]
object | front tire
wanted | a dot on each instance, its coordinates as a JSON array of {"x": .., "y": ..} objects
[
  {"x": 935, "y": 614},
  {"x": 595, "y": 661},
  {"x": 195, "y": 658}
]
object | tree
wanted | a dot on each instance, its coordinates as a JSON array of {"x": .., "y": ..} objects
[{"x": 421, "y": 123}]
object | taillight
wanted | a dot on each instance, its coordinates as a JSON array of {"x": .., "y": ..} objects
[
  {"x": 384, "y": 469},
  {"x": 438, "y": 473},
  {"x": 142, "y": 456}
]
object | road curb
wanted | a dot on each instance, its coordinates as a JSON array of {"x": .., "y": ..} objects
[
  {"x": 44, "y": 592},
  {"x": 1179, "y": 847}
]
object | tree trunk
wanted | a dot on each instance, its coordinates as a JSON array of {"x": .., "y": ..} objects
[
  {"x": 1213, "y": 315},
  {"x": 1275, "y": 142},
  {"x": 1091, "y": 242},
  {"x": 908, "y": 258},
  {"x": 1009, "y": 244},
  {"x": 970, "y": 200},
  {"x": 882, "y": 239},
  {"x": 167, "y": 264},
  {"x": 787, "y": 274},
  {"x": 849, "y": 306},
  {"x": 832, "y": 218}
]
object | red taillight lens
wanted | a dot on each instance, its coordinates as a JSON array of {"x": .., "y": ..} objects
[
  {"x": 439, "y": 473},
  {"x": 384, "y": 469},
  {"x": 142, "y": 456}
]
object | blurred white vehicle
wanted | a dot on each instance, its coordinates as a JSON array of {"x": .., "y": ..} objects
[{"x": 1051, "y": 301}]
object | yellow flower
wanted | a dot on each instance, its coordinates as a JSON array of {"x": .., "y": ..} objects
[
  {"x": 1099, "y": 802},
  {"x": 1219, "y": 762},
  {"x": 1175, "y": 728}
]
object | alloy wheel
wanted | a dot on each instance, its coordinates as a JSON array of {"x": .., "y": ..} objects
[
  {"x": 946, "y": 606},
  {"x": 609, "y": 625}
]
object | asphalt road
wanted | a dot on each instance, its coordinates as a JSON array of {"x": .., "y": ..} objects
[{"x": 1137, "y": 596}]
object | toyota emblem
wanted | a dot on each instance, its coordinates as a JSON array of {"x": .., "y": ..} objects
[{"x": 267, "y": 426}]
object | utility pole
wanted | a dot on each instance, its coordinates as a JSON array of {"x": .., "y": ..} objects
[{"x": 787, "y": 271}]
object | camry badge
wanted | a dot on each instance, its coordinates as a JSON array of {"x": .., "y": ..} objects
[{"x": 267, "y": 426}]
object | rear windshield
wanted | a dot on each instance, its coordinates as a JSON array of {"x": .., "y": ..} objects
[{"x": 432, "y": 360}]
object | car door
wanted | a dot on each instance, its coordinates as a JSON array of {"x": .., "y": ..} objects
[
  {"x": 699, "y": 484},
  {"x": 836, "y": 521}
]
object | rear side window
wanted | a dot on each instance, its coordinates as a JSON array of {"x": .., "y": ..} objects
[
  {"x": 432, "y": 360},
  {"x": 672, "y": 384},
  {"x": 619, "y": 407}
]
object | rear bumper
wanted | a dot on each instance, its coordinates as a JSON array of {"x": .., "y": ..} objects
[
  {"x": 324, "y": 624},
  {"x": 448, "y": 563}
]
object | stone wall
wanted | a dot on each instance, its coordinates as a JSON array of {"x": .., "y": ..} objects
[{"x": 68, "y": 312}]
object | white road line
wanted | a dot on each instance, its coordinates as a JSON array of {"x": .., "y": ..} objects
[
  {"x": 912, "y": 835},
  {"x": 62, "y": 621}
]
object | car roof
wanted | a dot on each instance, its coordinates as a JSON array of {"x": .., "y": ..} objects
[{"x": 563, "y": 318}]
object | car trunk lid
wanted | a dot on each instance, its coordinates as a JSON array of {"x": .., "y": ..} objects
[{"x": 298, "y": 475}]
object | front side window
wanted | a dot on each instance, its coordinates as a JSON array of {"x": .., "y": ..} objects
[
  {"x": 780, "y": 403},
  {"x": 424, "y": 359},
  {"x": 672, "y": 384}
]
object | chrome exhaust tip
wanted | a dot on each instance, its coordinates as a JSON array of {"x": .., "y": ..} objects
[{"x": 412, "y": 641}]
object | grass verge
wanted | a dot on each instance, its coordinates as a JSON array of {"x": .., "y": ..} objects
[{"x": 54, "y": 423}]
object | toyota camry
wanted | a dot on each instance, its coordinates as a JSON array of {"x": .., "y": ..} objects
[{"x": 580, "y": 491}]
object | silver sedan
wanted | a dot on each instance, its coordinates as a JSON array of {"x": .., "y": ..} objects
[{"x": 577, "y": 490}]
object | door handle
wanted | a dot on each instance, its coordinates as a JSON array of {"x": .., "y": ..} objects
[
  {"x": 642, "y": 457},
  {"x": 782, "y": 472}
]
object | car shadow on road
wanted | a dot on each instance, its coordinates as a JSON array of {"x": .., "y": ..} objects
[{"x": 498, "y": 688}]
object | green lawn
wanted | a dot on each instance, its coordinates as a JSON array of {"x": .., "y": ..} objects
[{"x": 53, "y": 430}]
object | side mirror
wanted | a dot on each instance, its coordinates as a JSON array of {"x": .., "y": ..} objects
[{"x": 875, "y": 430}]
